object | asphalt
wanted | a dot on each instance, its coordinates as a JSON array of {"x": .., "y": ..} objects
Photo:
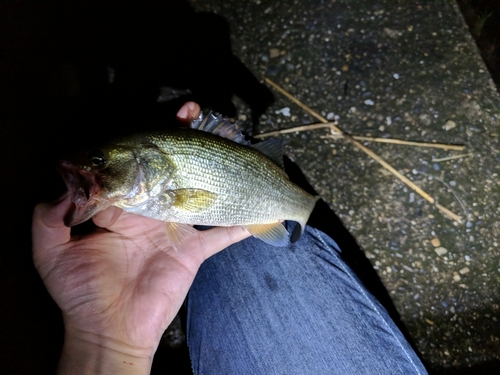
[{"x": 402, "y": 70}]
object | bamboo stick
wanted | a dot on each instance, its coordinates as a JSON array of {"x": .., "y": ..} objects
[{"x": 366, "y": 150}]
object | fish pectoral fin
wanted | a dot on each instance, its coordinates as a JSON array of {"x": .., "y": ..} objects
[
  {"x": 178, "y": 233},
  {"x": 274, "y": 234},
  {"x": 192, "y": 200}
]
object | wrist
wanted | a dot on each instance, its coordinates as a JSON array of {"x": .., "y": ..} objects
[{"x": 87, "y": 353}]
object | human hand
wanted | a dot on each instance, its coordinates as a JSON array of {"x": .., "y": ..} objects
[{"x": 120, "y": 286}]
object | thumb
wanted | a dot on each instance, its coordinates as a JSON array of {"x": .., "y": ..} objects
[{"x": 108, "y": 217}]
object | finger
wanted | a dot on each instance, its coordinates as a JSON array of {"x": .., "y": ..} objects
[
  {"x": 217, "y": 239},
  {"x": 48, "y": 229},
  {"x": 106, "y": 218},
  {"x": 188, "y": 112}
]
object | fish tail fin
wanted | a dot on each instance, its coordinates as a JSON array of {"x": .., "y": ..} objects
[{"x": 299, "y": 229}]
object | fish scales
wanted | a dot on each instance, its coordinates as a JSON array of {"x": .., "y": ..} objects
[
  {"x": 203, "y": 161},
  {"x": 191, "y": 177}
]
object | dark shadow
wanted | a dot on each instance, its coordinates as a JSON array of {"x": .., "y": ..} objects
[
  {"x": 60, "y": 56},
  {"x": 483, "y": 19},
  {"x": 56, "y": 61}
]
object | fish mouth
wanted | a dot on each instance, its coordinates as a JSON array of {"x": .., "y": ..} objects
[{"x": 84, "y": 187}]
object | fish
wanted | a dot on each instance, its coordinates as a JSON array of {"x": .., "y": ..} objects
[{"x": 207, "y": 175}]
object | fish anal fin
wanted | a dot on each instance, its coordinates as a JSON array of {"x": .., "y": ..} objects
[
  {"x": 178, "y": 234},
  {"x": 274, "y": 234},
  {"x": 192, "y": 200}
]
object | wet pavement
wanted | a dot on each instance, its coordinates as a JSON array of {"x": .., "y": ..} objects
[
  {"x": 389, "y": 69},
  {"x": 404, "y": 70}
]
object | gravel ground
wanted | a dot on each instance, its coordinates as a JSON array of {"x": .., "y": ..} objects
[{"x": 410, "y": 71}]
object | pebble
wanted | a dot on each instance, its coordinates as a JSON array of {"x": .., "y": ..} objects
[
  {"x": 396, "y": 76},
  {"x": 450, "y": 124},
  {"x": 464, "y": 271},
  {"x": 388, "y": 120},
  {"x": 284, "y": 111},
  {"x": 456, "y": 278},
  {"x": 330, "y": 116},
  {"x": 369, "y": 102},
  {"x": 435, "y": 242},
  {"x": 440, "y": 250},
  {"x": 392, "y": 33},
  {"x": 412, "y": 197},
  {"x": 274, "y": 52}
]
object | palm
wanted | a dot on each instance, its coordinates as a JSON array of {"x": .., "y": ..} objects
[{"x": 126, "y": 280}]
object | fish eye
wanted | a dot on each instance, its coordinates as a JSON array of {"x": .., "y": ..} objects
[{"x": 96, "y": 158}]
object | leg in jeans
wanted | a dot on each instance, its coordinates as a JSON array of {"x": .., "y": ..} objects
[{"x": 257, "y": 309}]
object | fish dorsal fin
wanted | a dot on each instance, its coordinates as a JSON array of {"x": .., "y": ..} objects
[
  {"x": 273, "y": 149},
  {"x": 274, "y": 234},
  {"x": 220, "y": 126}
]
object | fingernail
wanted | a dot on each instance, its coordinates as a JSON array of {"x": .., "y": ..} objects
[{"x": 183, "y": 112}]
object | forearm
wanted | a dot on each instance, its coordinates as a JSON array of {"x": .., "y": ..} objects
[{"x": 88, "y": 357}]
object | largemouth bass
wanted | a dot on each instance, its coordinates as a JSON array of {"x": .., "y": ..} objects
[{"x": 206, "y": 175}]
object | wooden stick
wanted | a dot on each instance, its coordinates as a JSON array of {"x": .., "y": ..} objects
[
  {"x": 366, "y": 150},
  {"x": 293, "y": 130},
  {"x": 452, "y": 157},
  {"x": 359, "y": 138},
  {"x": 298, "y": 102},
  {"x": 411, "y": 143}
]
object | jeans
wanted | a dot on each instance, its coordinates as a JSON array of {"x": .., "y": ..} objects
[{"x": 258, "y": 309}]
